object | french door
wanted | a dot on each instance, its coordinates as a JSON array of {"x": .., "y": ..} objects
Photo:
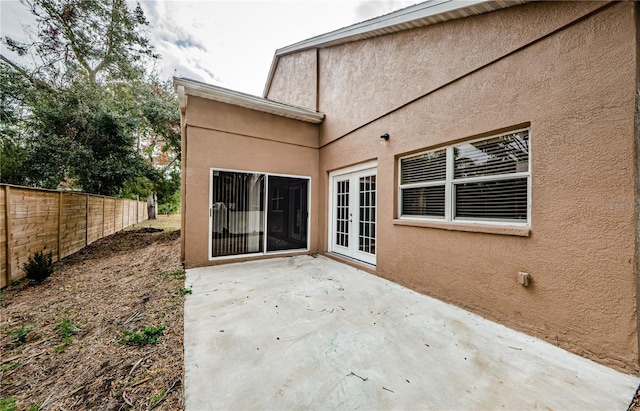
[{"x": 353, "y": 214}]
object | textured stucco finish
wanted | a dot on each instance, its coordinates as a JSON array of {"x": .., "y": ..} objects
[
  {"x": 485, "y": 74},
  {"x": 576, "y": 91},
  {"x": 230, "y": 137},
  {"x": 294, "y": 80},
  {"x": 362, "y": 80}
]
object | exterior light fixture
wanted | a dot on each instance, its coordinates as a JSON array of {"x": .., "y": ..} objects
[{"x": 385, "y": 136}]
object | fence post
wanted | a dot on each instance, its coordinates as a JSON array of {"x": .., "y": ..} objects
[
  {"x": 60, "y": 225},
  {"x": 86, "y": 227},
  {"x": 7, "y": 205},
  {"x": 103, "y": 201}
]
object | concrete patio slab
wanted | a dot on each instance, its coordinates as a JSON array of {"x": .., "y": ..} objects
[{"x": 311, "y": 333}]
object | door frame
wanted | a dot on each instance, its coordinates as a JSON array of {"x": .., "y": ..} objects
[
  {"x": 369, "y": 165},
  {"x": 266, "y": 211}
]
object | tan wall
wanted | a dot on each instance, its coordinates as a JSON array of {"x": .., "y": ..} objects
[
  {"x": 294, "y": 80},
  {"x": 362, "y": 80},
  {"x": 52, "y": 221},
  {"x": 231, "y": 137},
  {"x": 576, "y": 90}
]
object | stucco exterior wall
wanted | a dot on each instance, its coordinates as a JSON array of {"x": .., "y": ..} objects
[
  {"x": 362, "y": 80},
  {"x": 294, "y": 80},
  {"x": 230, "y": 137},
  {"x": 575, "y": 89}
]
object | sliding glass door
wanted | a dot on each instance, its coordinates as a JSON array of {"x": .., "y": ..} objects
[
  {"x": 244, "y": 206},
  {"x": 287, "y": 216}
]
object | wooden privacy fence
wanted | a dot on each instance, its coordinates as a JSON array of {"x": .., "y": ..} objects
[{"x": 33, "y": 220}]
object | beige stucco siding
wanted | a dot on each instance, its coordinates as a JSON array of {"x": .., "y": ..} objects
[
  {"x": 362, "y": 80},
  {"x": 294, "y": 80},
  {"x": 576, "y": 91},
  {"x": 235, "y": 138}
]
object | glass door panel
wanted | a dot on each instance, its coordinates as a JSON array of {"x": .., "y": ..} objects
[
  {"x": 237, "y": 213},
  {"x": 354, "y": 215},
  {"x": 287, "y": 216}
]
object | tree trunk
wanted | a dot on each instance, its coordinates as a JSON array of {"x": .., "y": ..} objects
[{"x": 151, "y": 206}]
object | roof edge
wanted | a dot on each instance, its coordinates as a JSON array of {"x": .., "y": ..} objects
[
  {"x": 189, "y": 87},
  {"x": 418, "y": 15}
]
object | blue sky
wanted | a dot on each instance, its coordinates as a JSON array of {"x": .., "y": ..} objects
[{"x": 228, "y": 43}]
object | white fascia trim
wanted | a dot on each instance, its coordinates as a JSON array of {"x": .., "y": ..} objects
[
  {"x": 188, "y": 87},
  {"x": 418, "y": 15}
]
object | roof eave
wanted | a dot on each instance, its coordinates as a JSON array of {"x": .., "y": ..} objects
[{"x": 211, "y": 92}]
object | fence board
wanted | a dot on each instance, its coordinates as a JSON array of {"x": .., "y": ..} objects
[
  {"x": 132, "y": 211},
  {"x": 118, "y": 214},
  {"x": 34, "y": 225},
  {"x": 74, "y": 223},
  {"x": 94, "y": 219},
  {"x": 63, "y": 223},
  {"x": 109, "y": 216},
  {"x": 3, "y": 240}
]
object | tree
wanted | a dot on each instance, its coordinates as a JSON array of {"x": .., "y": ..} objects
[
  {"x": 68, "y": 41},
  {"x": 87, "y": 115}
]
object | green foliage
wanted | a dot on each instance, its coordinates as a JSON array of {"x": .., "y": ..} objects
[
  {"x": 67, "y": 31},
  {"x": 142, "y": 337},
  {"x": 89, "y": 115},
  {"x": 168, "y": 190},
  {"x": 178, "y": 274},
  {"x": 185, "y": 291},
  {"x": 19, "y": 334},
  {"x": 8, "y": 367},
  {"x": 66, "y": 329},
  {"x": 39, "y": 266},
  {"x": 156, "y": 398},
  {"x": 8, "y": 404}
]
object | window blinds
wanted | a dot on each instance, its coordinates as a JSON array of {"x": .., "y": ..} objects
[{"x": 489, "y": 181}]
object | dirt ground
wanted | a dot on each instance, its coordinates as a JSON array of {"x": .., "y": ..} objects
[{"x": 62, "y": 342}]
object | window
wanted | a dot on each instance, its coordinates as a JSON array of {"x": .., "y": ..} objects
[
  {"x": 245, "y": 206},
  {"x": 486, "y": 180}
]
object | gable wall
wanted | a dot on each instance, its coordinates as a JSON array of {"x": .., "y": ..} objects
[
  {"x": 294, "y": 80},
  {"x": 576, "y": 90}
]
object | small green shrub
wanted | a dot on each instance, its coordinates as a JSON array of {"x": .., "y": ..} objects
[
  {"x": 185, "y": 291},
  {"x": 8, "y": 404},
  {"x": 39, "y": 266},
  {"x": 156, "y": 398},
  {"x": 66, "y": 329},
  {"x": 19, "y": 334},
  {"x": 142, "y": 337},
  {"x": 8, "y": 367}
]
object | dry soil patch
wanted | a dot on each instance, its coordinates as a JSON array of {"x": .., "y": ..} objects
[{"x": 61, "y": 341}]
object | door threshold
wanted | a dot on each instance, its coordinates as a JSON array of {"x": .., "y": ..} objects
[{"x": 361, "y": 265}]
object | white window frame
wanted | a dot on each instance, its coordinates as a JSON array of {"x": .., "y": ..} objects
[
  {"x": 266, "y": 210},
  {"x": 450, "y": 182}
]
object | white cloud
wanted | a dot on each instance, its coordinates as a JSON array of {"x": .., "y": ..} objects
[
  {"x": 229, "y": 43},
  {"x": 238, "y": 39}
]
